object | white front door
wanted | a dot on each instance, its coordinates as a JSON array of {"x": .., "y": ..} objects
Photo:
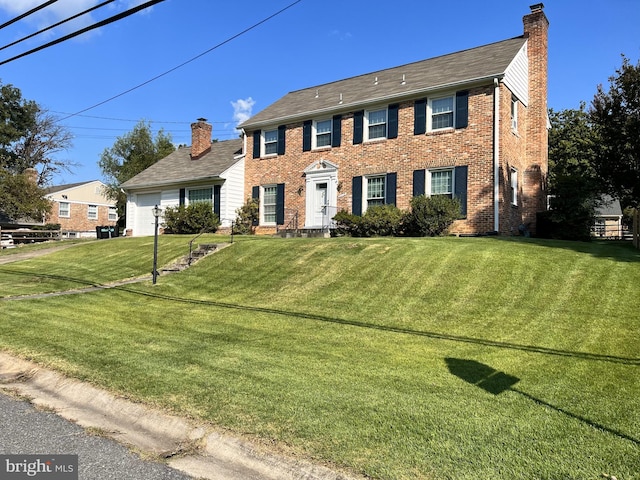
[{"x": 320, "y": 205}]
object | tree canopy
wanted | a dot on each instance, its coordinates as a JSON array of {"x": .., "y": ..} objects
[
  {"x": 615, "y": 115},
  {"x": 573, "y": 182},
  {"x": 29, "y": 136},
  {"x": 131, "y": 154}
]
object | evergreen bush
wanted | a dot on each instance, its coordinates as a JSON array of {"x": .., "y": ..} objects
[{"x": 194, "y": 218}]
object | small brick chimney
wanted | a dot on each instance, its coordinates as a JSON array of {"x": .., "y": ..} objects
[{"x": 200, "y": 138}]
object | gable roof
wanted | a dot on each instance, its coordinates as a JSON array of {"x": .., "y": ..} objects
[
  {"x": 448, "y": 71},
  {"x": 609, "y": 207},
  {"x": 68, "y": 186},
  {"x": 178, "y": 167}
]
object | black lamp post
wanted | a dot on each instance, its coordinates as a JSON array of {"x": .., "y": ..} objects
[{"x": 156, "y": 213}]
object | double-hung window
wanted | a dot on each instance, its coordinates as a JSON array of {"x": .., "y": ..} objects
[
  {"x": 269, "y": 200},
  {"x": 441, "y": 112},
  {"x": 92, "y": 212},
  {"x": 323, "y": 133},
  {"x": 113, "y": 214},
  {"x": 376, "y": 124},
  {"x": 375, "y": 190},
  {"x": 442, "y": 182},
  {"x": 513, "y": 180},
  {"x": 64, "y": 210},
  {"x": 200, "y": 195},
  {"x": 270, "y": 142}
]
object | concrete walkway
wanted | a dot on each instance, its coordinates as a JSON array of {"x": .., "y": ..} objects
[{"x": 199, "y": 450}]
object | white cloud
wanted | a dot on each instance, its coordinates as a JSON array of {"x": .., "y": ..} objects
[{"x": 242, "y": 109}]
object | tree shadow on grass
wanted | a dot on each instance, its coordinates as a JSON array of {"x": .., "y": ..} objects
[{"x": 495, "y": 382}]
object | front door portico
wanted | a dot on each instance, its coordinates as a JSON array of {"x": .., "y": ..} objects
[{"x": 321, "y": 194}]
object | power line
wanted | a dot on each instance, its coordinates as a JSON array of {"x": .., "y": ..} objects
[
  {"x": 26, "y": 14},
  {"x": 57, "y": 24},
  {"x": 184, "y": 63},
  {"x": 136, "y": 121},
  {"x": 109, "y": 20}
]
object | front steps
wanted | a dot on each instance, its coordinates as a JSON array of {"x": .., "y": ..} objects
[{"x": 185, "y": 262}]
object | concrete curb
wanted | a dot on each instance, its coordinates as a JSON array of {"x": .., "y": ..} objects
[{"x": 218, "y": 456}]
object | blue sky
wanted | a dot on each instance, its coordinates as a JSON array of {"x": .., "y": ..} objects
[{"x": 311, "y": 43}]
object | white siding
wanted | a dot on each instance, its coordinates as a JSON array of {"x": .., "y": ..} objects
[
  {"x": 516, "y": 77},
  {"x": 232, "y": 192},
  {"x": 170, "y": 198}
]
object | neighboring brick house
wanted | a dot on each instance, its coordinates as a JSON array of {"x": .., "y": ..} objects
[
  {"x": 471, "y": 125},
  {"x": 211, "y": 172},
  {"x": 81, "y": 207}
]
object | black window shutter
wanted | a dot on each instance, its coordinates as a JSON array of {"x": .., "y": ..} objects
[
  {"x": 460, "y": 185},
  {"x": 306, "y": 136},
  {"x": 255, "y": 193},
  {"x": 358, "y": 121},
  {"x": 256, "y": 143},
  {"x": 356, "y": 195},
  {"x": 216, "y": 200},
  {"x": 390, "y": 189},
  {"x": 281, "y": 137},
  {"x": 183, "y": 194},
  {"x": 420, "y": 117},
  {"x": 280, "y": 204},
  {"x": 419, "y": 182},
  {"x": 336, "y": 131},
  {"x": 392, "y": 121},
  {"x": 462, "y": 109}
]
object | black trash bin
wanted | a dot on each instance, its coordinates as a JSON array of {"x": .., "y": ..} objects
[{"x": 106, "y": 231}]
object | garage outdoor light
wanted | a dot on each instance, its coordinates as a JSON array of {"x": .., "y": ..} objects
[{"x": 156, "y": 213}]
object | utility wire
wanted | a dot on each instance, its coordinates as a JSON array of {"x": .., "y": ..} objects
[
  {"x": 57, "y": 24},
  {"x": 109, "y": 20},
  {"x": 26, "y": 14},
  {"x": 255, "y": 25}
]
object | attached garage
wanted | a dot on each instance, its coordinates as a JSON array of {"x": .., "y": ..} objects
[{"x": 144, "y": 221}]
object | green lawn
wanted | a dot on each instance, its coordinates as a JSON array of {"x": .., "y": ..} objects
[{"x": 444, "y": 358}]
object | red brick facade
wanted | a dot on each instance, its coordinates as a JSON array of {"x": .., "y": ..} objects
[
  {"x": 523, "y": 151},
  {"x": 78, "y": 220}
]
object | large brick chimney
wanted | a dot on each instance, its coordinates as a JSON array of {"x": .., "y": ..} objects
[
  {"x": 200, "y": 138},
  {"x": 536, "y": 26}
]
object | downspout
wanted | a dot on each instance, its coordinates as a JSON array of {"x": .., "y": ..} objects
[{"x": 496, "y": 155}]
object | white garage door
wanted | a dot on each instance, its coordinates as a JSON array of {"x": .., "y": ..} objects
[{"x": 145, "y": 220}]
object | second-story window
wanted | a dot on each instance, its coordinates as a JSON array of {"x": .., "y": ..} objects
[
  {"x": 323, "y": 133},
  {"x": 514, "y": 113},
  {"x": 442, "y": 112},
  {"x": 270, "y": 142},
  {"x": 376, "y": 124}
]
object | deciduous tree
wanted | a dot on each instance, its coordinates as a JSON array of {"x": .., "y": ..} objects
[
  {"x": 130, "y": 155},
  {"x": 616, "y": 117}
]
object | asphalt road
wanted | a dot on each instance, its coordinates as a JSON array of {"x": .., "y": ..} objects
[{"x": 27, "y": 431}]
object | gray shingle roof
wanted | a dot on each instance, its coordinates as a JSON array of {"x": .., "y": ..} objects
[
  {"x": 178, "y": 167},
  {"x": 609, "y": 207},
  {"x": 467, "y": 66}
]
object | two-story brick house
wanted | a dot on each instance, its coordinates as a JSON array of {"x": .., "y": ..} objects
[
  {"x": 81, "y": 207},
  {"x": 471, "y": 125}
]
